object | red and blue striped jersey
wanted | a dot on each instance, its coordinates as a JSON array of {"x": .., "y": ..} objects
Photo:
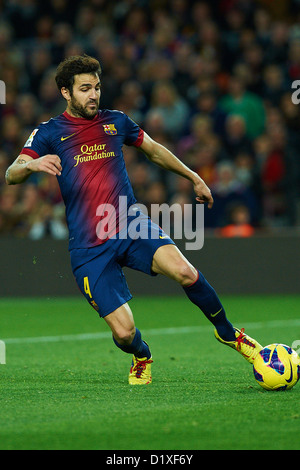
[{"x": 93, "y": 166}]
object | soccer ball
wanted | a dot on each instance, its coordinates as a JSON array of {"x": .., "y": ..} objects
[{"x": 277, "y": 367}]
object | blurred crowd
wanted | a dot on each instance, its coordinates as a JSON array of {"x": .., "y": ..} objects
[{"x": 210, "y": 80}]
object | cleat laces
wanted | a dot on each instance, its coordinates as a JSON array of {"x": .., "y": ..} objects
[
  {"x": 140, "y": 367},
  {"x": 241, "y": 339}
]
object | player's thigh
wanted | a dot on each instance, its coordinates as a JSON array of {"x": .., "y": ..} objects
[
  {"x": 121, "y": 323},
  {"x": 140, "y": 250},
  {"x": 169, "y": 261}
]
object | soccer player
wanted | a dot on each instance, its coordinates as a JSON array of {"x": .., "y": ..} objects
[{"x": 82, "y": 147}]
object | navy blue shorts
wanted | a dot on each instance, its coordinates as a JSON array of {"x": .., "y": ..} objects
[{"x": 98, "y": 270}]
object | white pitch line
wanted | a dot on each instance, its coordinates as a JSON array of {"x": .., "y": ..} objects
[{"x": 151, "y": 332}]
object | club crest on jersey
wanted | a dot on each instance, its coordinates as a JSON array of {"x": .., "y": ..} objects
[{"x": 110, "y": 129}]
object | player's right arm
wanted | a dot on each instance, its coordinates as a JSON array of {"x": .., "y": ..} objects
[{"x": 24, "y": 166}]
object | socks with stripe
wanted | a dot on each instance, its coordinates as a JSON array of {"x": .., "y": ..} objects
[{"x": 202, "y": 294}]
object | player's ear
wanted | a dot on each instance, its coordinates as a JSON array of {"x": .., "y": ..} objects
[{"x": 66, "y": 93}]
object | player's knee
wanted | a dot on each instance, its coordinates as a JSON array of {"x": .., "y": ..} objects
[
  {"x": 186, "y": 274},
  {"x": 124, "y": 336}
]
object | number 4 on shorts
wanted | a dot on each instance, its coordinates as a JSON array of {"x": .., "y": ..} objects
[
  {"x": 2, "y": 353},
  {"x": 86, "y": 286}
]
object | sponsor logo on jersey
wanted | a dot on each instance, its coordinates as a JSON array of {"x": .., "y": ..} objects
[{"x": 92, "y": 152}]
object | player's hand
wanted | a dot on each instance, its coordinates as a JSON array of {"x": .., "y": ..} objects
[
  {"x": 50, "y": 164},
  {"x": 203, "y": 193}
]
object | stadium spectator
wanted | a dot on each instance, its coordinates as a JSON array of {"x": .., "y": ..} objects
[
  {"x": 207, "y": 104},
  {"x": 236, "y": 139},
  {"x": 246, "y": 104},
  {"x": 228, "y": 190},
  {"x": 173, "y": 109},
  {"x": 201, "y": 130},
  {"x": 8, "y": 209},
  {"x": 239, "y": 223}
]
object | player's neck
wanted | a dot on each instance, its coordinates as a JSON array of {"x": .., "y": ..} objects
[{"x": 69, "y": 114}]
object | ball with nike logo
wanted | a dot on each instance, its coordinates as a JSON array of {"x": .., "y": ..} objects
[{"x": 277, "y": 367}]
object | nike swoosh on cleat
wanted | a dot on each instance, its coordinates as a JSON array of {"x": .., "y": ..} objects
[
  {"x": 163, "y": 237},
  {"x": 64, "y": 138},
  {"x": 291, "y": 377}
]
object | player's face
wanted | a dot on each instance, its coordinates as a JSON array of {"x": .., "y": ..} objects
[{"x": 85, "y": 98}]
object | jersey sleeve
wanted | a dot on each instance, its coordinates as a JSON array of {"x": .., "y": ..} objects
[
  {"x": 134, "y": 135},
  {"x": 37, "y": 144}
]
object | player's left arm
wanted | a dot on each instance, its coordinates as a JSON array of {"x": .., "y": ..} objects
[{"x": 163, "y": 157}]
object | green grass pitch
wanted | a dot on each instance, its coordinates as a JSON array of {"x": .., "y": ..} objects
[{"x": 64, "y": 384}]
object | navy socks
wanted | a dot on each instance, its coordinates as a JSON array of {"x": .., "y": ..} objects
[
  {"x": 138, "y": 347},
  {"x": 202, "y": 294}
]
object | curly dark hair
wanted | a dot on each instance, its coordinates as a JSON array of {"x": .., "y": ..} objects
[{"x": 75, "y": 65}]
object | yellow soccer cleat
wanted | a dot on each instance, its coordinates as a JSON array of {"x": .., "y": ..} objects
[
  {"x": 244, "y": 344},
  {"x": 140, "y": 372}
]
